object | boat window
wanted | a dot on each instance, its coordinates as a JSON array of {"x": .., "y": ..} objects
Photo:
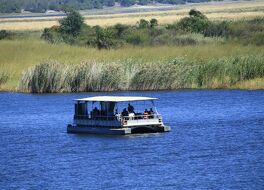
[
  {"x": 107, "y": 108},
  {"x": 102, "y": 110},
  {"x": 81, "y": 108}
]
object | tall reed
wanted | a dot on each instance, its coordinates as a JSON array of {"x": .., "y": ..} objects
[{"x": 178, "y": 73}]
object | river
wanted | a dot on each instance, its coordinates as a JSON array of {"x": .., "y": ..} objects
[{"x": 216, "y": 142}]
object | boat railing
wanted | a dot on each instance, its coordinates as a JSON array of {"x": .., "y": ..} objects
[
  {"x": 139, "y": 117},
  {"x": 94, "y": 117},
  {"x": 118, "y": 117}
]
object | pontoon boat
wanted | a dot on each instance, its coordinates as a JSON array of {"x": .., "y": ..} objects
[{"x": 103, "y": 115}]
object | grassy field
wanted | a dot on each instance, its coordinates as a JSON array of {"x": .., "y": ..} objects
[
  {"x": 214, "y": 11},
  {"x": 18, "y": 55}
]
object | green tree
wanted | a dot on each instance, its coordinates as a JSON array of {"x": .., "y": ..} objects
[
  {"x": 72, "y": 24},
  {"x": 109, "y": 3},
  {"x": 127, "y": 3},
  {"x": 144, "y": 2},
  {"x": 196, "y": 22},
  {"x": 9, "y": 6},
  {"x": 153, "y": 22}
]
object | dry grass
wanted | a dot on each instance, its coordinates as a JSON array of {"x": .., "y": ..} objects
[
  {"x": 215, "y": 11},
  {"x": 254, "y": 84}
]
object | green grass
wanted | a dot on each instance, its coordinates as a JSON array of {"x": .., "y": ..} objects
[{"x": 17, "y": 56}]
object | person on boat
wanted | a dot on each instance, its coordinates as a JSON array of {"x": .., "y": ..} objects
[
  {"x": 130, "y": 108},
  {"x": 124, "y": 112},
  {"x": 117, "y": 115},
  {"x": 95, "y": 112},
  {"x": 151, "y": 113},
  {"x": 146, "y": 114}
]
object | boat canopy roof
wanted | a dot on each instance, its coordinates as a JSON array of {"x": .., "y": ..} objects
[{"x": 115, "y": 99}]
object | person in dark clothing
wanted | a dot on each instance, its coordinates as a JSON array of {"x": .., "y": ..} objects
[
  {"x": 95, "y": 112},
  {"x": 130, "y": 108},
  {"x": 124, "y": 112},
  {"x": 151, "y": 113}
]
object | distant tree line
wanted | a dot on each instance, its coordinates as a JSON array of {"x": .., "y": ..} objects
[{"x": 11, "y": 6}]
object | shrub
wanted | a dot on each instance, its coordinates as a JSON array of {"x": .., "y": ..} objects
[
  {"x": 143, "y": 23},
  {"x": 4, "y": 34},
  {"x": 51, "y": 35},
  {"x": 153, "y": 22},
  {"x": 168, "y": 39},
  {"x": 138, "y": 37},
  {"x": 193, "y": 24},
  {"x": 120, "y": 29},
  {"x": 104, "y": 38},
  {"x": 197, "y": 14},
  {"x": 217, "y": 30},
  {"x": 257, "y": 39}
]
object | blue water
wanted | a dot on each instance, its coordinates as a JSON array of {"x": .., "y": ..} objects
[{"x": 216, "y": 142}]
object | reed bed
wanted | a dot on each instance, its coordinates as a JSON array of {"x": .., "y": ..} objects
[
  {"x": 51, "y": 77},
  {"x": 31, "y": 52}
]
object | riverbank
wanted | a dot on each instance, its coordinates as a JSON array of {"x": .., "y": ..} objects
[
  {"x": 155, "y": 62},
  {"x": 149, "y": 68}
]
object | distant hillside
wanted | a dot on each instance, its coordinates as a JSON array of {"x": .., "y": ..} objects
[{"x": 40, "y": 6}]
